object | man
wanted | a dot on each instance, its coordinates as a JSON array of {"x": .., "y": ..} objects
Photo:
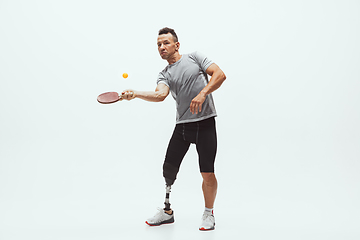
[{"x": 186, "y": 78}]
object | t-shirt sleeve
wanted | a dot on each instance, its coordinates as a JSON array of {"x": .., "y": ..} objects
[
  {"x": 202, "y": 60},
  {"x": 162, "y": 79}
]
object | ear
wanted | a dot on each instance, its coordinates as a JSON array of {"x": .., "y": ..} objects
[{"x": 177, "y": 44}]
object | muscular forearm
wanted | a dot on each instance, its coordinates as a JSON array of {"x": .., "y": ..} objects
[
  {"x": 158, "y": 95},
  {"x": 217, "y": 78},
  {"x": 150, "y": 96},
  {"x": 215, "y": 82}
]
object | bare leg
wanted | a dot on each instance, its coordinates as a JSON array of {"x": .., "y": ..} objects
[{"x": 209, "y": 187}]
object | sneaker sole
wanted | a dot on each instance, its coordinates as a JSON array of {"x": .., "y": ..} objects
[
  {"x": 209, "y": 229},
  {"x": 171, "y": 220},
  {"x": 204, "y": 229}
]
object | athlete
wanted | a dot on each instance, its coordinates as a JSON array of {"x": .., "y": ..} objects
[{"x": 186, "y": 77}]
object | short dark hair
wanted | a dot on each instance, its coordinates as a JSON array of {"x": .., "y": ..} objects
[{"x": 167, "y": 30}]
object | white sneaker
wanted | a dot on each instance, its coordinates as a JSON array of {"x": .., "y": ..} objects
[
  {"x": 208, "y": 222},
  {"x": 161, "y": 217}
]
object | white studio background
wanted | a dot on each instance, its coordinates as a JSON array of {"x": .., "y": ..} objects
[{"x": 288, "y": 126}]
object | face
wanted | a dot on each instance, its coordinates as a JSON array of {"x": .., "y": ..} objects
[{"x": 166, "y": 46}]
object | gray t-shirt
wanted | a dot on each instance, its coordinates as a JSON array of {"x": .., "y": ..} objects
[{"x": 186, "y": 78}]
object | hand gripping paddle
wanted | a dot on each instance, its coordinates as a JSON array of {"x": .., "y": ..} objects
[{"x": 110, "y": 97}]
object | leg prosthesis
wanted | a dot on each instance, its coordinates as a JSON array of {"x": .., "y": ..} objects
[
  {"x": 167, "y": 203},
  {"x": 169, "y": 172}
]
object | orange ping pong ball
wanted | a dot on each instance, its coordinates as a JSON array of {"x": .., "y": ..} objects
[{"x": 125, "y": 75}]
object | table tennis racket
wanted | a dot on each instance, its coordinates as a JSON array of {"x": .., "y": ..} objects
[{"x": 109, "y": 97}]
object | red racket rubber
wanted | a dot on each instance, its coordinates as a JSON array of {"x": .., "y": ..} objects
[{"x": 109, "y": 97}]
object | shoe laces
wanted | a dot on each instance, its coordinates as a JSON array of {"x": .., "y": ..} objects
[
  {"x": 207, "y": 217},
  {"x": 160, "y": 212}
]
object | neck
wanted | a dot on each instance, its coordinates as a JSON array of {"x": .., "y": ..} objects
[{"x": 174, "y": 58}]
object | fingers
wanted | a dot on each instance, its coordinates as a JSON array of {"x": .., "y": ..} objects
[
  {"x": 128, "y": 95},
  {"x": 195, "y": 107},
  {"x": 196, "y": 103}
]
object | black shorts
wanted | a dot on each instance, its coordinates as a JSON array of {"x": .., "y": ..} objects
[{"x": 202, "y": 134}]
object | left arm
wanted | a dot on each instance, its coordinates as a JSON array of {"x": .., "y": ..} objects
[{"x": 217, "y": 78}]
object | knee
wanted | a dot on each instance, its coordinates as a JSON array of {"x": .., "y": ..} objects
[{"x": 209, "y": 178}]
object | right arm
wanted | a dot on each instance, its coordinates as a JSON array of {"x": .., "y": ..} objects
[{"x": 159, "y": 95}]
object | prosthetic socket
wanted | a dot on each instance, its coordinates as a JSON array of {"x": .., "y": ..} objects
[{"x": 169, "y": 173}]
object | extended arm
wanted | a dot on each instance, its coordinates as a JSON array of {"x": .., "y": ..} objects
[
  {"x": 217, "y": 78},
  {"x": 160, "y": 93}
]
